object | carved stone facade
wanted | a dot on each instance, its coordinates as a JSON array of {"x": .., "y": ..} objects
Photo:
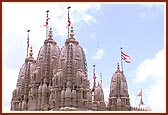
[
  {"x": 21, "y": 94},
  {"x": 119, "y": 98},
  {"x": 57, "y": 81}
]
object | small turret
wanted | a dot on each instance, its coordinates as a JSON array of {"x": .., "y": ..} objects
[
  {"x": 50, "y": 35},
  {"x": 71, "y": 39},
  {"x": 141, "y": 106},
  {"x": 118, "y": 97}
]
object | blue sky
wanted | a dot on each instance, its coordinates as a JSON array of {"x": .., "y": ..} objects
[{"x": 101, "y": 30}]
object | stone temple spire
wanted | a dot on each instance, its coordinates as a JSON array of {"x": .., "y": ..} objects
[
  {"x": 141, "y": 106},
  {"x": 72, "y": 32},
  {"x": 100, "y": 79},
  {"x": 31, "y": 51},
  {"x": 71, "y": 39},
  {"x": 118, "y": 98},
  {"x": 141, "y": 101},
  {"x": 50, "y": 35},
  {"x": 118, "y": 67},
  {"x": 30, "y": 55}
]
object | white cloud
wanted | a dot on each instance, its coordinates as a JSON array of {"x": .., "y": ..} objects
[
  {"x": 89, "y": 19},
  {"x": 32, "y": 16},
  {"x": 142, "y": 14},
  {"x": 151, "y": 68},
  {"x": 78, "y": 14},
  {"x": 156, "y": 96},
  {"x": 150, "y": 10},
  {"x": 99, "y": 54},
  {"x": 19, "y": 17},
  {"x": 150, "y": 6},
  {"x": 92, "y": 36},
  {"x": 152, "y": 72}
]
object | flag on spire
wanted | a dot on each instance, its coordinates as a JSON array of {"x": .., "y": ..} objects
[
  {"x": 94, "y": 75},
  {"x": 47, "y": 18},
  {"x": 125, "y": 57},
  {"x": 69, "y": 22},
  {"x": 28, "y": 38},
  {"x": 140, "y": 93},
  {"x": 94, "y": 82},
  {"x": 27, "y": 41}
]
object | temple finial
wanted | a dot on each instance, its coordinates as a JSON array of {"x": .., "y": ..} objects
[
  {"x": 101, "y": 79},
  {"x": 118, "y": 67},
  {"x": 141, "y": 101},
  {"x": 72, "y": 32},
  {"x": 50, "y": 35},
  {"x": 31, "y": 51}
]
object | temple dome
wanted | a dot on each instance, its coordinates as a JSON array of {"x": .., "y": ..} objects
[
  {"x": 31, "y": 64},
  {"x": 118, "y": 97},
  {"x": 142, "y": 107},
  {"x": 24, "y": 79},
  {"x": 23, "y": 68},
  {"x": 25, "y": 73},
  {"x": 118, "y": 78},
  {"x": 47, "y": 59},
  {"x": 72, "y": 62},
  {"x": 99, "y": 94}
]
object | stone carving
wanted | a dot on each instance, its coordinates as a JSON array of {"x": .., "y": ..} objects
[
  {"x": 24, "y": 104},
  {"x": 52, "y": 99},
  {"x": 60, "y": 82},
  {"x": 78, "y": 77},
  {"x": 54, "y": 81},
  {"x": 60, "y": 78}
]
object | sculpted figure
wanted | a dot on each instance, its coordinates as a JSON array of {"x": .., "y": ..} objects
[
  {"x": 78, "y": 77},
  {"x": 52, "y": 95},
  {"x": 60, "y": 77},
  {"x": 54, "y": 81}
]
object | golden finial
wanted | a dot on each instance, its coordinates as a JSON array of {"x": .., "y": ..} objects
[
  {"x": 31, "y": 51},
  {"x": 72, "y": 32},
  {"x": 118, "y": 67},
  {"x": 50, "y": 35}
]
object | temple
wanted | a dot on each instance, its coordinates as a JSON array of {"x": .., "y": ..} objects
[{"x": 57, "y": 80}]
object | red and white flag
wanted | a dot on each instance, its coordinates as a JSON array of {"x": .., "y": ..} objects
[
  {"x": 69, "y": 22},
  {"x": 125, "y": 57},
  {"x": 140, "y": 93},
  {"x": 94, "y": 75},
  {"x": 47, "y": 18},
  {"x": 27, "y": 41}
]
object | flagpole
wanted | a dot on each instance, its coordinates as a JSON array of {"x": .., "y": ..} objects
[
  {"x": 27, "y": 41},
  {"x": 121, "y": 60},
  {"x": 68, "y": 19},
  {"x": 47, "y": 23},
  {"x": 101, "y": 79},
  {"x": 141, "y": 97},
  {"x": 94, "y": 84}
]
